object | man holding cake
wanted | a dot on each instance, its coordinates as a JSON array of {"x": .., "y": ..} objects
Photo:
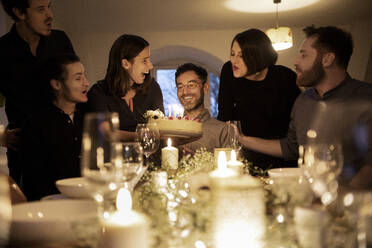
[{"x": 192, "y": 84}]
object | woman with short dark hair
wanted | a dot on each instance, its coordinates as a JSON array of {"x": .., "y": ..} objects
[
  {"x": 128, "y": 87},
  {"x": 257, "y": 92}
]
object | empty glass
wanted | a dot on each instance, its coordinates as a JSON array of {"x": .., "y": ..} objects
[
  {"x": 234, "y": 142},
  {"x": 149, "y": 137},
  {"x": 101, "y": 164},
  {"x": 321, "y": 164}
]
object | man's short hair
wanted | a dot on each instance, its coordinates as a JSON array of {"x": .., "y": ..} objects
[
  {"x": 257, "y": 50},
  {"x": 55, "y": 68},
  {"x": 334, "y": 40},
  {"x": 200, "y": 71},
  {"x": 9, "y": 5}
]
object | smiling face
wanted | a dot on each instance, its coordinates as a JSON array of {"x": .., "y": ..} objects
[
  {"x": 38, "y": 17},
  {"x": 75, "y": 86},
  {"x": 190, "y": 91},
  {"x": 138, "y": 67},
  {"x": 308, "y": 65},
  {"x": 238, "y": 66}
]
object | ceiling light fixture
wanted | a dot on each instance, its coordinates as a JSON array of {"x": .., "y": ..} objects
[{"x": 281, "y": 37}]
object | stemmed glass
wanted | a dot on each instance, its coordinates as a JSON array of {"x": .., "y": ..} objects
[
  {"x": 321, "y": 164},
  {"x": 149, "y": 137},
  {"x": 234, "y": 142},
  {"x": 102, "y": 158}
]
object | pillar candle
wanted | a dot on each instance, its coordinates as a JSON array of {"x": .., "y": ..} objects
[
  {"x": 169, "y": 156},
  {"x": 125, "y": 228}
]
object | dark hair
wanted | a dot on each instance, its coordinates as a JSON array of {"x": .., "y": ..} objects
[
  {"x": 117, "y": 78},
  {"x": 334, "y": 40},
  {"x": 200, "y": 71},
  {"x": 257, "y": 50},
  {"x": 55, "y": 68},
  {"x": 9, "y": 5}
]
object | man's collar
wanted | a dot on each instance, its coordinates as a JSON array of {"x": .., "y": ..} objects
[
  {"x": 314, "y": 94},
  {"x": 204, "y": 115}
]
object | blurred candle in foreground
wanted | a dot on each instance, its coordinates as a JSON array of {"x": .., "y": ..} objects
[
  {"x": 125, "y": 228},
  {"x": 238, "y": 208},
  {"x": 169, "y": 156},
  {"x": 234, "y": 164}
]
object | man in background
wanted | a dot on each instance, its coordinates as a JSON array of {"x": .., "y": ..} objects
[
  {"x": 192, "y": 84},
  {"x": 24, "y": 49},
  {"x": 334, "y": 108}
]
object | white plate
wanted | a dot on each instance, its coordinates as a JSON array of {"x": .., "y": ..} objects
[
  {"x": 284, "y": 173},
  {"x": 52, "y": 221},
  {"x": 54, "y": 197},
  {"x": 73, "y": 187}
]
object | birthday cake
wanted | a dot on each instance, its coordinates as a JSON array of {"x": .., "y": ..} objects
[{"x": 174, "y": 126}]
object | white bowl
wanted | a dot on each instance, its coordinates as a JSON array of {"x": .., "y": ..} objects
[
  {"x": 52, "y": 221},
  {"x": 284, "y": 173},
  {"x": 73, "y": 187}
]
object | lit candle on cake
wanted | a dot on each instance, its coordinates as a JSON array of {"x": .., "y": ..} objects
[
  {"x": 125, "y": 228},
  {"x": 169, "y": 156},
  {"x": 169, "y": 110},
  {"x": 235, "y": 164}
]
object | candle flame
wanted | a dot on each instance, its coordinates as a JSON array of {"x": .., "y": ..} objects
[
  {"x": 169, "y": 142},
  {"x": 233, "y": 155},
  {"x": 222, "y": 161},
  {"x": 124, "y": 201},
  {"x": 100, "y": 157}
]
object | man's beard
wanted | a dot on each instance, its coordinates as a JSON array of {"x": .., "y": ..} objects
[
  {"x": 200, "y": 102},
  {"x": 313, "y": 76}
]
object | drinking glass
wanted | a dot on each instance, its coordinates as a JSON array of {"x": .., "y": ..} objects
[
  {"x": 149, "y": 137},
  {"x": 5, "y": 211},
  {"x": 234, "y": 142},
  {"x": 101, "y": 163},
  {"x": 132, "y": 155},
  {"x": 321, "y": 164}
]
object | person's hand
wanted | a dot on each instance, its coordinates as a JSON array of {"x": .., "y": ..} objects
[
  {"x": 236, "y": 131},
  {"x": 11, "y": 138},
  {"x": 187, "y": 151}
]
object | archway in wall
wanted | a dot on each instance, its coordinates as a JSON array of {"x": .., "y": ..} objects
[{"x": 167, "y": 59}]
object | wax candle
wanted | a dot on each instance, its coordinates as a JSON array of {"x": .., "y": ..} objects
[
  {"x": 222, "y": 171},
  {"x": 125, "y": 228},
  {"x": 218, "y": 150},
  {"x": 169, "y": 110},
  {"x": 239, "y": 208},
  {"x": 169, "y": 156},
  {"x": 235, "y": 164}
]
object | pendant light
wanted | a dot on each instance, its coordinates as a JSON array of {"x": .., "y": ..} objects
[{"x": 281, "y": 37}]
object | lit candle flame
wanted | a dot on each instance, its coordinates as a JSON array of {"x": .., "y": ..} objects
[
  {"x": 222, "y": 161},
  {"x": 169, "y": 110},
  {"x": 233, "y": 155},
  {"x": 169, "y": 142},
  {"x": 124, "y": 201}
]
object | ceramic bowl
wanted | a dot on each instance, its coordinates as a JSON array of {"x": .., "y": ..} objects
[
  {"x": 52, "y": 221},
  {"x": 284, "y": 173},
  {"x": 73, "y": 187}
]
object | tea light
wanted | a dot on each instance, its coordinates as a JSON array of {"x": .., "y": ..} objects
[
  {"x": 222, "y": 171},
  {"x": 235, "y": 164},
  {"x": 125, "y": 228},
  {"x": 169, "y": 156}
]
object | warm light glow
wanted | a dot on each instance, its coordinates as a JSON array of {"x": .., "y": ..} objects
[
  {"x": 100, "y": 158},
  {"x": 169, "y": 110},
  {"x": 281, "y": 38},
  {"x": 233, "y": 156},
  {"x": 254, "y": 6},
  {"x": 124, "y": 201},
  {"x": 222, "y": 163},
  {"x": 169, "y": 142}
]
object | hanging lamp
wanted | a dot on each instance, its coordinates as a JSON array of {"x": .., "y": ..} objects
[{"x": 281, "y": 37}]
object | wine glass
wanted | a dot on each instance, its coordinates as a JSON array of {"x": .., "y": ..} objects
[
  {"x": 321, "y": 164},
  {"x": 101, "y": 164},
  {"x": 234, "y": 134},
  {"x": 149, "y": 137},
  {"x": 132, "y": 163}
]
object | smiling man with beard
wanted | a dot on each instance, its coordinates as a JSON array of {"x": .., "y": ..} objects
[
  {"x": 336, "y": 106},
  {"x": 24, "y": 50},
  {"x": 192, "y": 84}
]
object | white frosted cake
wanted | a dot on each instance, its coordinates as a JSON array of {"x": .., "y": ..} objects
[{"x": 182, "y": 127}]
